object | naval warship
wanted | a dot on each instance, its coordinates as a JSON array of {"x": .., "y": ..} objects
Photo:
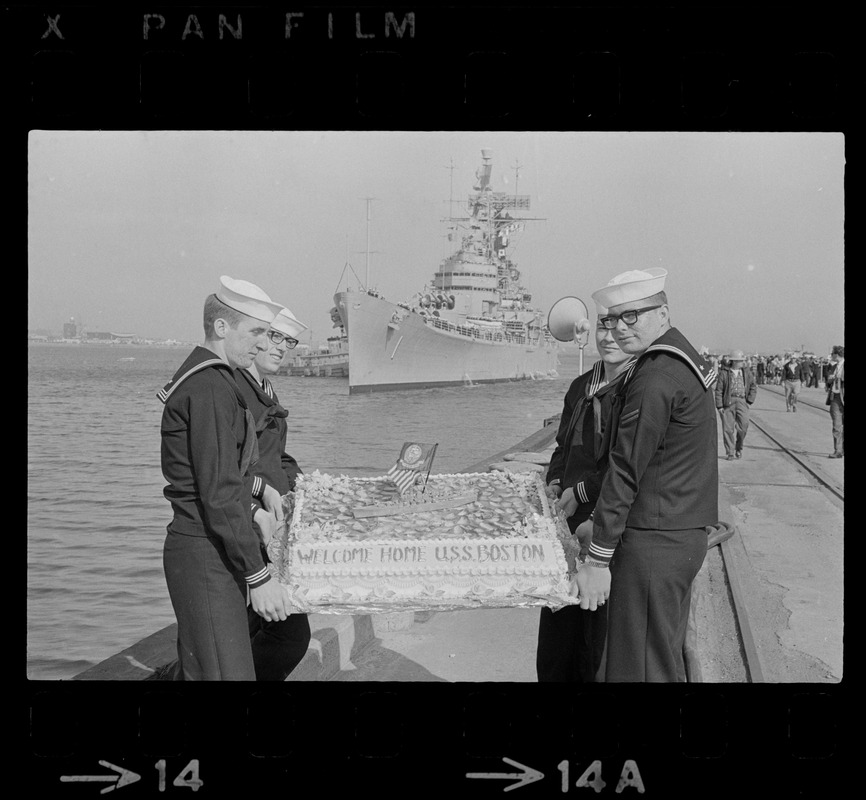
[{"x": 472, "y": 323}]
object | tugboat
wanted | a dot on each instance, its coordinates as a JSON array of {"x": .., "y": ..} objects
[
  {"x": 328, "y": 361},
  {"x": 472, "y": 323}
]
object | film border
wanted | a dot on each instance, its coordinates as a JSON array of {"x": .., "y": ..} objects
[{"x": 417, "y": 68}]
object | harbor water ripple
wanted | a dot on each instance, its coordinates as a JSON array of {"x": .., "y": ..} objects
[{"x": 96, "y": 515}]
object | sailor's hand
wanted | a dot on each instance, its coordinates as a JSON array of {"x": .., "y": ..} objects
[
  {"x": 271, "y": 601},
  {"x": 593, "y": 586},
  {"x": 583, "y": 534},
  {"x": 273, "y": 502},
  {"x": 554, "y": 490},
  {"x": 267, "y": 525},
  {"x": 567, "y": 503}
]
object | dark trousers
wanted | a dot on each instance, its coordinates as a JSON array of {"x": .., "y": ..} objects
[
  {"x": 278, "y": 647},
  {"x": 570, "y": 644},
  {"x": 213, "y": 638},
  {"x": 648, "y": 609},
  {"x": 837, "y": 418},
  {"x": 571, "y": 641}
]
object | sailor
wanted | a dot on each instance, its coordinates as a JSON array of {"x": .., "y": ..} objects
[
  {"x": 659, "y": 496},
  {"x": 571, "y": 640},
  {"x": 212, "y": 559},
  {"x": 278, "y": 646}
]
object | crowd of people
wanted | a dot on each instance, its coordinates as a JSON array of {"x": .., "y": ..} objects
[
  {"x": 793, "y": 372},
  {"x": 812, "y": 371}
]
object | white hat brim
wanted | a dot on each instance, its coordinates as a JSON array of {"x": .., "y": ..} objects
[
  {"x": 629, "y": 287},
  {"x": 287, "y": 323},
  {"x": 247, "y": 298}
]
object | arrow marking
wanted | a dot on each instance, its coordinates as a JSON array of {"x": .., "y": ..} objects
[
  {"x": 124, "y": 778},
  {"x": 524, "y": 778}
]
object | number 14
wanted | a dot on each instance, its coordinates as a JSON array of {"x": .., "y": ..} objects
[{"x": 188, "y": 776}]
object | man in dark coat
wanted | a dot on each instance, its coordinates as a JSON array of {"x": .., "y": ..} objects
[
  {"x": 735, "y": 392},
  {"x": 815, "y": 367},
  {"x": 836, "y": 400},
  {"x": 792, "y": 379},
  {"x": 212, "y": 556},
  {"x": 571, "y": 640},
  {"x": 278, "y": 646},
  {"x": 660, "y": 492}
]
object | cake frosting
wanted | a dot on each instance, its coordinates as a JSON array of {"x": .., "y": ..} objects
[{"x": 462, "y": 540}]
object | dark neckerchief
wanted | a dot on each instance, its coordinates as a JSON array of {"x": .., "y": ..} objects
[
  {"x": 266, "y": 394},
  {"x": 593, "y": 393}
]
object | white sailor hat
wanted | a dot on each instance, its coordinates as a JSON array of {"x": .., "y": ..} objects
[
  {"x": 286, "y": 322},
  {"x": 636, "y": 284},
  {"x": 600, "y": 309},
  {"x": 247, "y": 298}
]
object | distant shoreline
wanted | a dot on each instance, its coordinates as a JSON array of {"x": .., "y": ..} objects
[{"x": 97, "y": 343}]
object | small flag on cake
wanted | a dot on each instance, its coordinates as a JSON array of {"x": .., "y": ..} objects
[{"x": 415, "y": 457}]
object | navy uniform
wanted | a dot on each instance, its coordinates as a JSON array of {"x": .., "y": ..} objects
[
  {"x": 275, "y": 466},
  {"x": 571, "y": 640},
  {"x": 212, "y": 556},
  {"x": 658, "y": 498},
  {"x": 278, "y": 646}
]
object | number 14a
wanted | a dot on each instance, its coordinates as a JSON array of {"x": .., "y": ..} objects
[{"x": 630, "y": 776}]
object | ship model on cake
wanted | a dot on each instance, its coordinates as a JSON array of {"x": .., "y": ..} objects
[{"x": 473, "y": 323}]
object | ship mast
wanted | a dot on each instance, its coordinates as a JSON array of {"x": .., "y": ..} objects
[
  {"x": 367, "y": 258},
  {"x": 367, "y": 251},
  {"x": 451, "y": 189}
]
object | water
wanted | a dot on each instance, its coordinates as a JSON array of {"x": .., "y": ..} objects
[{"x": 96, "y": 514}]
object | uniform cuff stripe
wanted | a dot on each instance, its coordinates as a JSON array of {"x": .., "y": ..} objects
[
  {"x": 581, "y": 492},
  {"x": 258, "y": 577},
  {"x": 601, "y": 553}
]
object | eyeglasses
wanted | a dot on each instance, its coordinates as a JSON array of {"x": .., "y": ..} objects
[
  {"x": 280, "y": 338},
  {"x": 628, "y": 317}
]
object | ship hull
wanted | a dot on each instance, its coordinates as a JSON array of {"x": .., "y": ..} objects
[{"x": 412, "y": 354}]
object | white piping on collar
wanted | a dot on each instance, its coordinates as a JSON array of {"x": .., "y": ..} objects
[
  {"x": 164, "y": 393},
  {"x": 706, "y": 379},
  {"x": 597, "y": 379}
]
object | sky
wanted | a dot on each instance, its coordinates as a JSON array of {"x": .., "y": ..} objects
[{"x": 129, "y": 231}]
